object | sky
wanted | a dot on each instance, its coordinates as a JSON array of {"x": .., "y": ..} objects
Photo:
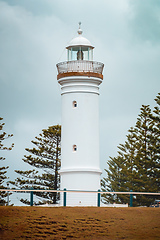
[{"x": 33, "y": 37}]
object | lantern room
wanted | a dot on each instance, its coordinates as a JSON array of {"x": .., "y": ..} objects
[{"x": 80, "y": 48}]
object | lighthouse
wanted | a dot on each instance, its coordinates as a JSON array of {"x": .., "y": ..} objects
[{"x": 79, "y": 78}]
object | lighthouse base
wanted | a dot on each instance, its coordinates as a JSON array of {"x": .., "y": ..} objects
[
  {"x": 80, "y": 187},
  {"x": 79, "y": 199}
]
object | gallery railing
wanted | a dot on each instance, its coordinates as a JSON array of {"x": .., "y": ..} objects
[{"x": 80, "y": 66}]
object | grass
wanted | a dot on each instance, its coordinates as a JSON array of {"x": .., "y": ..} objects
[{"x": 79, "y": 223}]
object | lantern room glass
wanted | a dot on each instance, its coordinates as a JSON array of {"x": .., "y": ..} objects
[{"x": 80, "y": 53}]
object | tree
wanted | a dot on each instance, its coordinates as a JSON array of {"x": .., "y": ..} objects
[
  {"x": 144, "y": 160},
  {"x": 121, "y": 172},
  {"x": 46, "y": 157},
  {"x": 137, "y": 165},
  {"x": 156, "y": 143},
  {"x": 3, "y": 170}
]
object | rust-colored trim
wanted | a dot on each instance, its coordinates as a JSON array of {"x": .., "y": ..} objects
[{"x": 89, "y": 74}]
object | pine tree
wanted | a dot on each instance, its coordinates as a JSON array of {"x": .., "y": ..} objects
[
  {"x": 46, "y": 157},
  {"x": 144, "y": 182},
  {"x": 113, "y": 181},
  {"x": 156, "y": 143},
  {"x": 121, "y": 172},
  {"x": 137, "y": 166},
  {"x": 3, "y": 170}
]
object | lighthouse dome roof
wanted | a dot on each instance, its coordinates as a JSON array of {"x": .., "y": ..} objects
[{"x": 80, "y": 41}]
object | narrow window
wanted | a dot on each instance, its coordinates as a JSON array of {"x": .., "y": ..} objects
[
  {"x": 74, "y": 148},
  {"x": 74, "y": 104}
]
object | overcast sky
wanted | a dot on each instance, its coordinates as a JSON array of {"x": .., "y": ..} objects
[{"x": 33, "y": 36}]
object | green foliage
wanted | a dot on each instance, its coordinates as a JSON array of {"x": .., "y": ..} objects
[
  {"x": 46, "y": 157},
  {"x": 137, "y": 166},
  {"x": 3, "y": 170}
]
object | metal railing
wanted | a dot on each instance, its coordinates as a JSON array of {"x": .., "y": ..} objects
[
  {"x": 80, "y": 66},
  {"x": 65, "y": 191}
]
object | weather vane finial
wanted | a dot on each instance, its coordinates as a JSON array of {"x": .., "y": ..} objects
[{"x": 79, "y": 30}]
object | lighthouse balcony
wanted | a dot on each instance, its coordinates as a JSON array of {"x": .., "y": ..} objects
[{"x": 80, "y": 68}]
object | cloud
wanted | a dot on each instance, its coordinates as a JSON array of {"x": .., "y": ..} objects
[
  {"x": 27, "y": 63},
  {"x": 145, "y": 20}
]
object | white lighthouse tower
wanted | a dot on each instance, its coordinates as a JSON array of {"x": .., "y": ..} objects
[{"x": 80, "y": 78}]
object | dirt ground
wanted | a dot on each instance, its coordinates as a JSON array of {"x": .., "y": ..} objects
[{"x": 79, "y": 223}]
